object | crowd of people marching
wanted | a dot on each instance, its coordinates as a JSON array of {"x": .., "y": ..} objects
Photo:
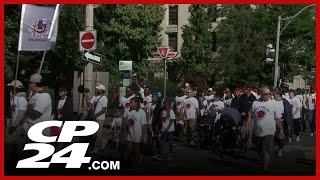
[{"x": 143, "y": 118}]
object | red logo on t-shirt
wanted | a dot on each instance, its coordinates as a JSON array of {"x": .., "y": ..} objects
[
  {"x": 261, "y": 114},
  {"x": 131, "y": 122},
  {"x": 118, "y": 128},
  {"x": 59, "y": 111},
  {"x": 145, "y": 103},
  {"x": 313, "y": 101},
  {"x": 164, "y": 119},
  {"x": 127, "y": 105},
  {"x": 178, "y": 103},
  {"x": 188, "y": 106}
]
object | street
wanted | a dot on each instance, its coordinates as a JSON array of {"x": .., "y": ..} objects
[{"x": 299, "y": 159}]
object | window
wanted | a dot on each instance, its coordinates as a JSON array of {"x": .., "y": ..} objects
[
  {"x": 173, "y": 15},
  {"x": 173, "y": 42}
]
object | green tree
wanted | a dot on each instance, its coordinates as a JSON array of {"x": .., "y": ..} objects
[
  {"x": 245, "y": 32},
  {"x": 196, "y": 51},
  {"x": 124, "y": 32}
]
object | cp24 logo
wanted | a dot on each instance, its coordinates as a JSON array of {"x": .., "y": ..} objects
[{"x": 78, "y": 150}]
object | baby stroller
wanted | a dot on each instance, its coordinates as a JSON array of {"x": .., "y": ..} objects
[
  {"x": 227, "y": 131},
  {"x": 205, "y": 128}
]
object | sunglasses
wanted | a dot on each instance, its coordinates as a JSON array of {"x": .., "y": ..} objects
[{"x": 128, "y": 91}]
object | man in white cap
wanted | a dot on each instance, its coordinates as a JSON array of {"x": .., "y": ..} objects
[
  {"x": 39, "y": 106},
  {"x": 99, "y": 103},
  {"x": 39, "y": 110}
]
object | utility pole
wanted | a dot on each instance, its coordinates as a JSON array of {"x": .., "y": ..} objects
[
  {"x": 89, "y": 67},
  {"x": 276, "y": 66}
]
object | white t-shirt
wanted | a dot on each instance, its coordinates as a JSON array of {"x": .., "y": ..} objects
[
  {"x": 166, "y": 120},
  {"x": 117, "y": 124},
  {"x": 312, "y": 101},
  {"x": 147, "y": 102},
  {"x": 99, "y": 103},
  {"x": 208, "y": 98},
  {"x": 227, "y": 103},
  {"x": 41, "y": 103},
  {"x": 300, "y": 97},
  {"x": 19, "y": 104},
  {"x": 60, "y": 106},
  {"x": 218, "y": 105},
  {"x": 179, "y": 103},
  {"x": 279, "y": 105},
  {"x": 190, "y": 105},
  {"x": 295, "y": 104},
  {"x": 134, "y": 121},
  {"x": 125, "y": 102},
  {"x": 264, "y": 115}
]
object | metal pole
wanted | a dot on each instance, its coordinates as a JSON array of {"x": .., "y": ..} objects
[
  {"x": 165, "y": 79},
  {"x": 43, "y": 56},
  {"x": 89, "y": 67},
  {"x": 276, "y": 67},
  {"x": 16, "y": 75}
]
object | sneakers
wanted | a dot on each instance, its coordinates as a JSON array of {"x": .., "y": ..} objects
[
  {"x": 157, "y": 157},
  {"x": 290, "y": 140},
  {"x": 298, "y": 139},
  {"x": 280, "y": 153},
  {"x": 311, "y": 134},
  {"x": 192, "y": 143}
]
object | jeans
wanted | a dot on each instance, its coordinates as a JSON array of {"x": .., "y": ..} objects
[
  {"x": 166, "y": 137},
  {"x": 296, "y": 126},
  {"x": 312, "y": 120}
]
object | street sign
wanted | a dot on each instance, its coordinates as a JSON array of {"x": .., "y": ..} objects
[
  {"x": 88, "y": 40},
  {"x": 91, "y": 57},
  {"x": 125, "y": 65},
  {"x": 163, "y": 52}
]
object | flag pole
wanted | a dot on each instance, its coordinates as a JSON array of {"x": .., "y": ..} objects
[
  {"x": 16, "y": 75},
  {"x": 43, "y": 56}
]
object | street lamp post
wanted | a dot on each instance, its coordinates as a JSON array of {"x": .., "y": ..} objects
[{"x": 279, "y": 32}]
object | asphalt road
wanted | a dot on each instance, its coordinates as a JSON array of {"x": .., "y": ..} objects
[{"x": 299, "y": 159}]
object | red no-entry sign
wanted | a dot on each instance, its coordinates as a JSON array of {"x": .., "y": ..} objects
[{"x": 88, "y": 40}]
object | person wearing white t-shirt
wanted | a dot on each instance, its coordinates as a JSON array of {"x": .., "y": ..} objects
[
  {"x": 118, "y": 126},
  {"x": 265, "y": 117},
  {"x": 302, "y": 112},
  {"x": 228, "y": 99},
  {"x": 167, "y": 130},
  {"x": 190, "y": 110},
  {"x": 310, "y": 104},
  {"x": 99, "y": 103},
  {"x": 125, "y": 101},
  {"x": 218, "y": 106},
  {"x": 40, "y": 106},
  {"x": 179, "y": 104},
  {"x": 18, "y": 110},
  {"x": 296, "y": 110},
  {"x": 39, "y": 109},
  {"x": 137, "y": 131}
]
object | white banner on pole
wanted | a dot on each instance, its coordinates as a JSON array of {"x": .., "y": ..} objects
[{"x": 35, "y": 26}]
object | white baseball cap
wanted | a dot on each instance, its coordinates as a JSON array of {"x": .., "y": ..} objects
[
  {"x": 36, "y": 78},
  {"x": 101, "y": 87},
  {"x": 210, "y": 89},
  {"x": 187, "y": 84}
]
